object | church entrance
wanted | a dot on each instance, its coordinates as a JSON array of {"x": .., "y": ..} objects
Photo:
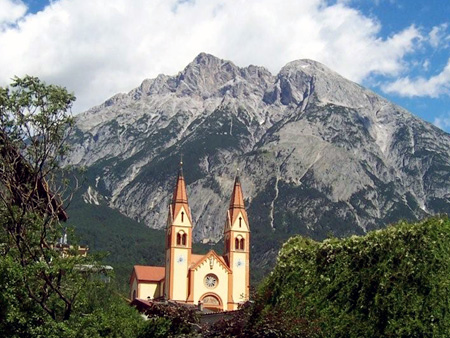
[{"x": 212, "y": 302}]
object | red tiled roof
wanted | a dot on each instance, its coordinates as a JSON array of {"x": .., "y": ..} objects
[
  {"x": 237, "y": 197},
  {"x": 149, "y": 273},
  {"x": 237, "y": 203},
  {"x": 195, "y": 258},
  {"x": 180, "y": 196}
]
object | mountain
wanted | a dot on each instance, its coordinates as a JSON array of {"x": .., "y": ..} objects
[{"x": 317, "y": 153}]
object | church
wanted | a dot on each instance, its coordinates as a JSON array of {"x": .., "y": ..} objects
[{"x": 217, "y": 282}]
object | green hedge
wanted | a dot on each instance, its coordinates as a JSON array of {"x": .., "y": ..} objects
[{"x": 393, "y": 282}]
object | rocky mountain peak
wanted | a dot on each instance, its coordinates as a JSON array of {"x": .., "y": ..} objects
[
  {"x": 306, "y": 66},
  {"x": 205, "y": 75},
  {"x": 319, "y": 153},
  {"x": 206, "y": 60},
  {"x": 305, "y": 77}
]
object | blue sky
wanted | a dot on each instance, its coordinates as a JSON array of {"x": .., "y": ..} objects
[
  {"x": 96, "y": 48},
  {"x": 394, "y": 15}
]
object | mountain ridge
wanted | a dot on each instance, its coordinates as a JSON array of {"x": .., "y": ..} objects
[{"x": 318, "y": 154}]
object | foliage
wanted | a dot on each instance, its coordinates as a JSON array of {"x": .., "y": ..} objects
[
  {"x": 390, "y": 283},
  {"x": 101, "y": 312},
  {"x": 45, "y": 292},
  {"x": 34, "y": 118},
  {"x": 253, "y": 320},
  {"x": 33, "y": 122},
  {"x": 170, "y": 320}
]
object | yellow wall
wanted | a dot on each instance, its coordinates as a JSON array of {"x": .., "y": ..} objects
[
  {"x": 177, "y": 259},
  {"x": 179, "y": 274},
  {"x": 177, "y": 221},
  {"x": 222, "y": 287},
  {"x": 244, "y": 226},
  {"x": 134, "y": 287},
  {"x": 239, "y": 274},
  {"x": 148, "y": 289},
  {"x": 240, "y": 271}
]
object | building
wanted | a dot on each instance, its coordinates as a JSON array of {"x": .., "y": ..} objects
[
  {"x": 218, "y": 282},
  {"x": 67, "y": 249}
]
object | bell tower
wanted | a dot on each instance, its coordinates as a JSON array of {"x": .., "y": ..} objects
[
  {"x": 178, "y": 243},
  {"x": 237, "y": 247}
]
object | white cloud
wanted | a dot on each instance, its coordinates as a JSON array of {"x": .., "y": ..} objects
[
  {"x": 434, "y": 86},
  {"x": 438, "y": 35},
  {"x": 98, "y": 48},
  {"x": 442, "y": 122},
  {"x": 10, "y": 12}
]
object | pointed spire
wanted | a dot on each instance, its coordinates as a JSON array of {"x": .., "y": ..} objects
[
  {"x": 237, "y": 206},
  {"x": 237, "y": 197},
  {"x": 179, "y": 194}
]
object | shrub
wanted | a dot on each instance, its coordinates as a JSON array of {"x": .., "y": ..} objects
[{"x": 393, "y": 282}]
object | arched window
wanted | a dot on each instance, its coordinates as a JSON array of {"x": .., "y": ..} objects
[
  {"x": 240, "y": 222},
  {"x": 181, "y": 238},
  {"x": 182, "y": 216},
  {"x": 211, "y": 300},
  {"x": 239, "y": 243}
]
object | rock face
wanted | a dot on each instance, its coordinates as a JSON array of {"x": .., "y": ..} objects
[{"x": 317, "y": 153}]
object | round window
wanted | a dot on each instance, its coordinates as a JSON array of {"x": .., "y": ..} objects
[{"x": 211, "y": 281}]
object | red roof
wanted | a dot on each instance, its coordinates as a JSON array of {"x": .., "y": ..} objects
[
  {"x": 237, "y": 198},
  {"x": 180, "y": 196},
  {"x": 237, "y": 203},
  {"x": 195, "y": 258},
  {"x": 149, "y": 273}
]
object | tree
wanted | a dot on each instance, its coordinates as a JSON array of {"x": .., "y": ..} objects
[
  {"x": 42, "y": 292},
  {"x": 170, "y": 320},
  {"x": 37, "y": 282},
  {"x": 390, "y": 283},
  {"x": 34, "y": 119},
  {"x": 253, "y": 320}
]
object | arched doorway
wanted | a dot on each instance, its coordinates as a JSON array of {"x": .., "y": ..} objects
[{"x": 212, "y": 302}]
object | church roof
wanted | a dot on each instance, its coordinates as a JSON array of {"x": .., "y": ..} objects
[
  {"x": 237, "y": 202},
  {"x": 179, "y": 198},
  {"x": 179, "y": 194},
  {"x": 149, "y": 273},
  {"x": 200, "y": 258},
  {"x": 237, "y": 198},
  {"x": 195, "y": 258}
]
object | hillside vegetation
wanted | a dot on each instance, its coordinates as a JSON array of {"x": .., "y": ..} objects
[{"x": 393, "y": 282}]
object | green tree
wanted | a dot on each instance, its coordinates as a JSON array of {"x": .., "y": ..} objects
[
  {"x": 42, "y": 292},
  {"x": 33, "y": 123},
  {"x": 390, "y": 283},
  {"x": 170, "y": 320}
]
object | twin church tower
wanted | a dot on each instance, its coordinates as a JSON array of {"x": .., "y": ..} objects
[{"x": 220, "y": 283}]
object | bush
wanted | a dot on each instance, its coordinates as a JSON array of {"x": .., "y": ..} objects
[
  {"x": 393, "y": 282},
  {"x": 255, "y": 320},
  {"x": 170, "y": 320}
]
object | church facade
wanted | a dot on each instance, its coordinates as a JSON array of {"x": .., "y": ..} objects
[{"x": 219, "y": 282}]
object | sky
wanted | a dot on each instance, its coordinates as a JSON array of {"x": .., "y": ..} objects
[{"x": 398, "y": 48}]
